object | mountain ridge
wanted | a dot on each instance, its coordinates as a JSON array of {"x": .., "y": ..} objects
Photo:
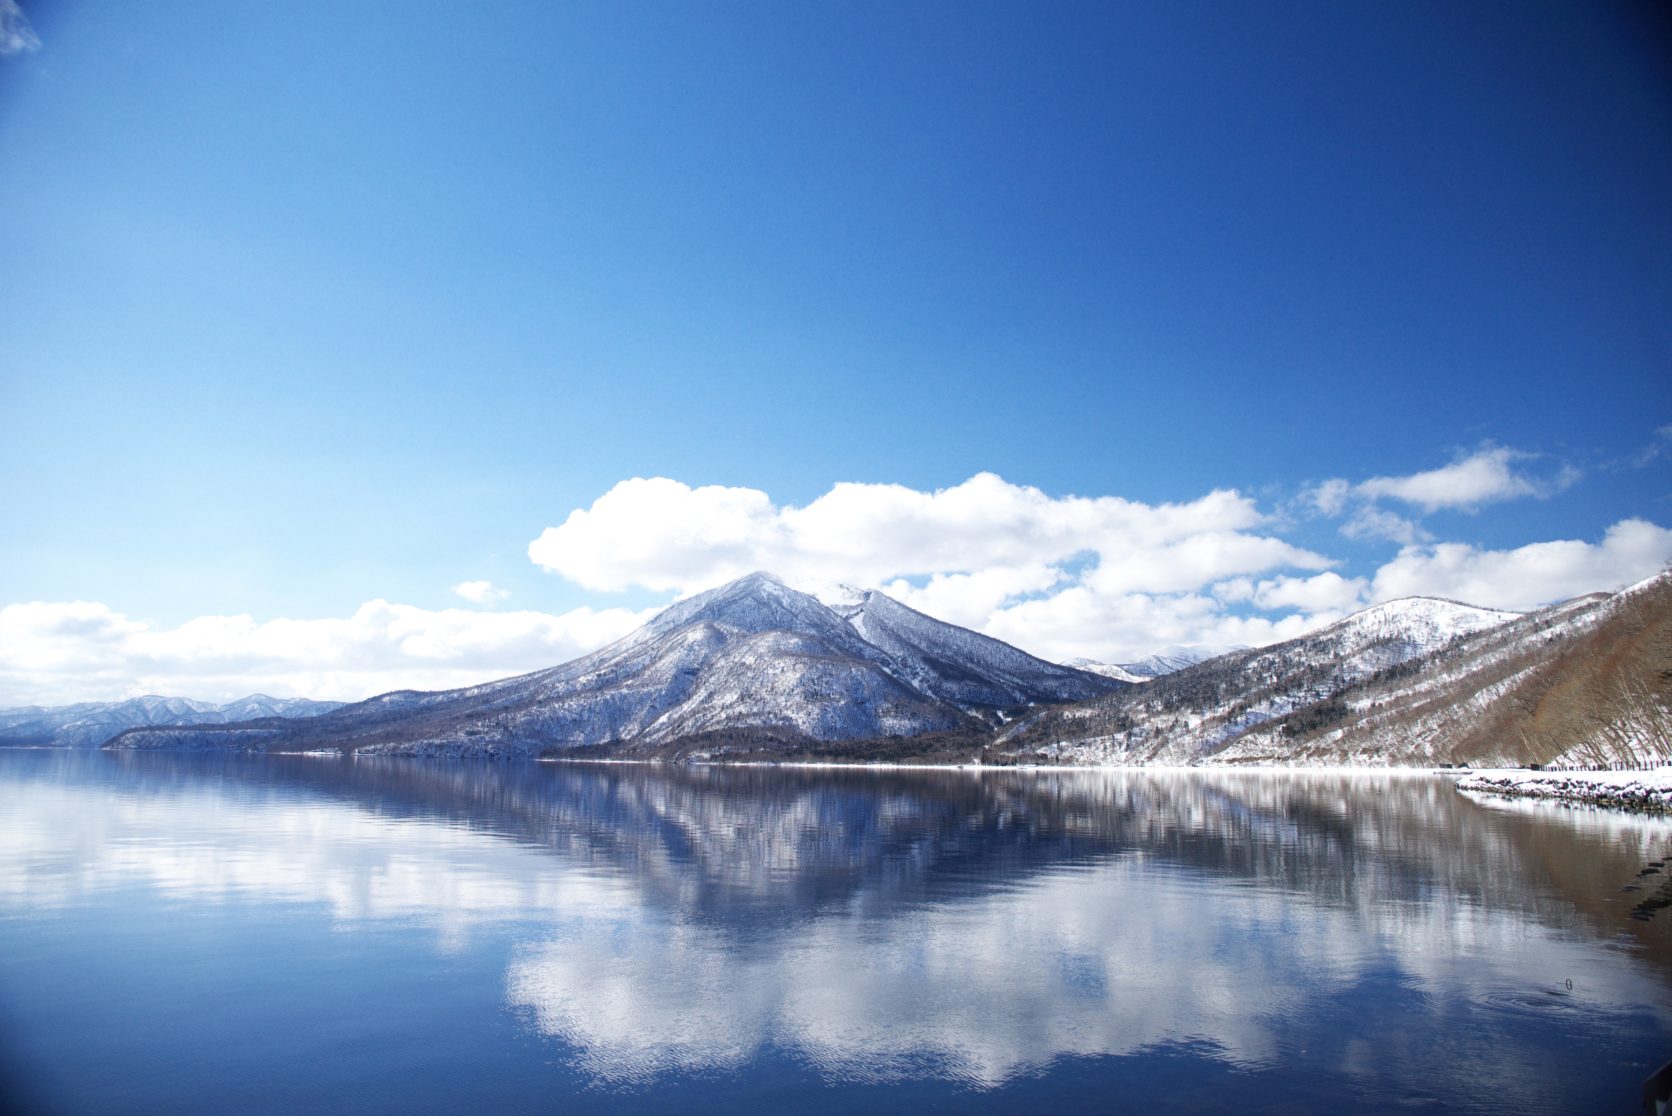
[
  {"x": 93, "y": 723},
  {"x": 750, "y": 657},
  {"x": 756, "y": 669},
  {"x": 1418, "y": 681}
]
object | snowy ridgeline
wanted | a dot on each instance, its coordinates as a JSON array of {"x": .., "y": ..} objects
[
  {"x": 1649, "y": 789},
  {"x": 1407, "y": 683},
  {"x": 751, "y": 666},
  {"x": 756, "y": 668},
  {"x": 90, "y": 724},
  {"x": 1254, "y": 705}
]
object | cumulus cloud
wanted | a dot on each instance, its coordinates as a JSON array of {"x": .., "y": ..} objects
[
  {"x": 16, "y": 36},
  {"x": 55, "y": 652},
  {"x": 1330, "y": 497},
  {"x": 663, "y": 535},
  {"x": 1321, "y": 593},
  {"x": 1079, "y": 622},
  {"x": 1486, "y": 476},
  {"x": 1527, "y": 576},
  {"x": 1371, "y": 522},
  {"x": 1100, "y": 577},
  {"x": 1059, "y": 576},
  {"x": 971, "y": 599},
  {"x": 480, "y": 592}
]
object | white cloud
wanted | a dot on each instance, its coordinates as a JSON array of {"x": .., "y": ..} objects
[
  {"x": 1080, "y": 622},
  {"x": 1657, "y": 448},
  {"x": 16, "y": 36},
  {"x": 971, "y": 599},
  {"x": 1491, "y": 474},
  {"x": 1330, "y": 497},
  {"x": 1325, "y": 592},
  {"x": 480, "y": 592},
  {"x": 55, "y": 652},
  {"x": 1527, "y": 576},
  {"x": 1484, "y": 477},
  {"x": 1100, "y": 577},
  {"x": 1058, "y": 576},
  {"x": 1235, "y": 589},
  {"x": 663, "y": 535},
  {"x": 1061, "y": 577},
  {"x": 1371, "y": 522},
  {"x": 1184, "y": 564}
]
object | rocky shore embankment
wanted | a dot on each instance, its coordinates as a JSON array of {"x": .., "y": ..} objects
[{"x": 1649, "y": 791}]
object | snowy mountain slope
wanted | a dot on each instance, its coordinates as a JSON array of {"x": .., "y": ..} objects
[
  {"x": 758, "y": 667},
  {"x": 956, "y": 664},
  {"x": 964, "y": 667},
  {"x": 1154, "y": 666},
  {"x": 751, "y": 656},
  {"x": 1401, "y": 630},
  {"x": 1194, "y": 714},
  {"x": 1588, "y": 681},
  {"x": 90, "y": 724},
  {"x": 1107, "y": 670},
  {"x": 758, "y": 602}
]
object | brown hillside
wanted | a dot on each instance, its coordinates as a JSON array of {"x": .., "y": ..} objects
[{"x": 1602, "y": 697}]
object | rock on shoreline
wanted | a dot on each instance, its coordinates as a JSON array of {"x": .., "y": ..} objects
[{"x": 1649, "y": 791}]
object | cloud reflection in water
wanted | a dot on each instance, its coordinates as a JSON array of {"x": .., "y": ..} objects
[{"x": 895, "y": 926}]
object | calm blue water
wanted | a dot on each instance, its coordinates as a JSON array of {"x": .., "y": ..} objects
[{"x": 287, "y": 934}]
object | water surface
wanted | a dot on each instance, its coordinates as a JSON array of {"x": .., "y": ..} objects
[{"x": 278, "y": 934}]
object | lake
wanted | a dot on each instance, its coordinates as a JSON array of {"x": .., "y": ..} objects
[{"x": 279, "y": 934}]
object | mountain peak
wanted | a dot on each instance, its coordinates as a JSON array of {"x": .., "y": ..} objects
[
  {"x": 1428, "y": 621},
  {"x": 753, "y": 662},
  {"x": 838, "y": 595},
  {"x": 1107, "y": 670},
  {"x": 756, "y": 602}
]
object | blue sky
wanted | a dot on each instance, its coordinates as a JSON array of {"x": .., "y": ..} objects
[{"x": 311, "y": 306}]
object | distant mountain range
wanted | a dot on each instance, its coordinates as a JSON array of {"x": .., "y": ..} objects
[
  {"x": 91, "y": 724},
  {"x": 1144, "y": 669},
  {"x": 758, "y": 670}
]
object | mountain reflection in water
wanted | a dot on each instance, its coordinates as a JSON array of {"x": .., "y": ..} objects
[{"x": 891, "y": 926}]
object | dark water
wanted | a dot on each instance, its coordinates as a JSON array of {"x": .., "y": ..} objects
[{"x": 290, "y": 934}]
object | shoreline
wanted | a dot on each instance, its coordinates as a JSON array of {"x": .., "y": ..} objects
[
  {"x": 1641, "y": 791},
  {"x": 1031, "y": 768},
  {"x": 1647, "y": 792}
]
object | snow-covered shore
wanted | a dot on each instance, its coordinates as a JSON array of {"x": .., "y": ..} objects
[{"x": 1632, "y": 790}]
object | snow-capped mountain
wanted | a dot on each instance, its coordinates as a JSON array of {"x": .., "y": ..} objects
[
  {"x": 1154, "y": 666},
  {"x": 1195, "y": 713},
  {"x": 931, "y": 653},
  {"x": 750, "y": 660},
  {"x": 1587, "y": 681},
  {"x": 755, "y": 668},
  {"x": 89, "y": 724},
  {"x": 957, "y": 665},
  {"x": 1107, "y": 670}
]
